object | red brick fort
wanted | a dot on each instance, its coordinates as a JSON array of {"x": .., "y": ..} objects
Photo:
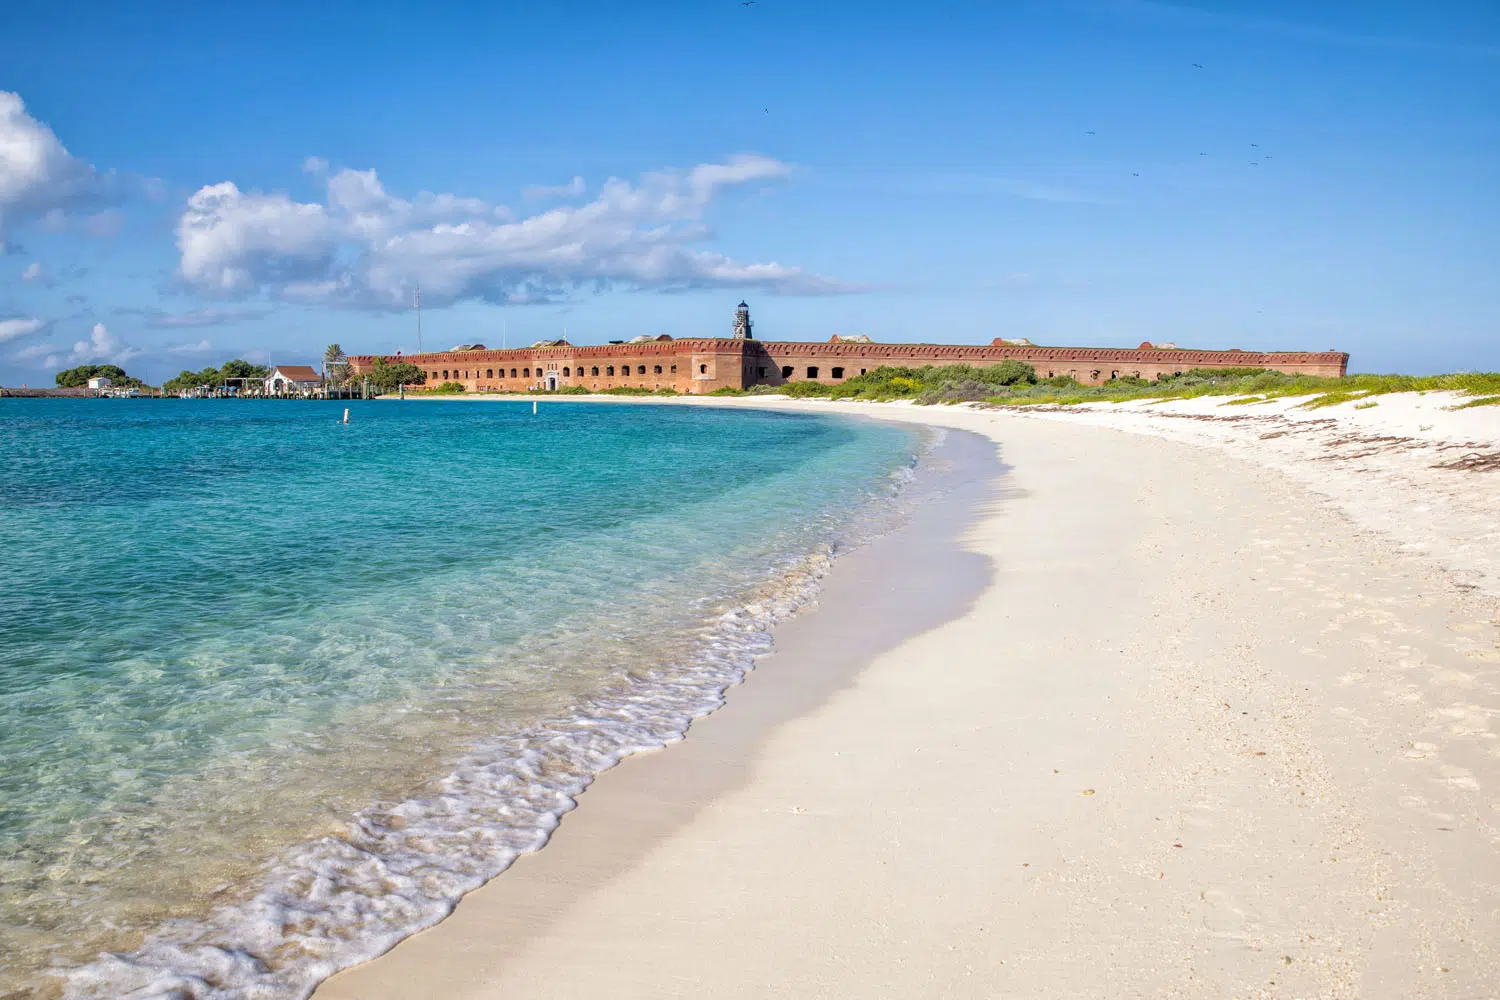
[{"x": 740, "y": 361}]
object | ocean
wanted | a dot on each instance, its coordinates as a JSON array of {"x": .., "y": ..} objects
[{"x": 276, "y": 691}]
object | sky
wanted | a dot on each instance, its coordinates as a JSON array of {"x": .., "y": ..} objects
[{"x": 184, "y": 183}]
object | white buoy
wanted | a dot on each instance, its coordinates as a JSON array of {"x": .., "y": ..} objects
[
  {"x": 346, "y": 414},
  {"x": 533, "y": 407}
]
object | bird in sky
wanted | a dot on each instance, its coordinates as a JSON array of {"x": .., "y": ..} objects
[
  {"x": 1088, "y": 133},
  {"x": 1254, "y": 164},
  {"x": 1134, "y": 174},
  {"x": 765, "y": 111},
  {"x": 1202, "y": 154},
  {"x": 748, "y": 3},
  {"x": 1255, "y": 145},
  {"x": 1197, "y": 65}
]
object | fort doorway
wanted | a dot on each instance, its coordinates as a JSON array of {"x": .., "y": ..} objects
[{"x": 552, "y": 381}]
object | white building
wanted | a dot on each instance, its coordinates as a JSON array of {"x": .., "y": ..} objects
[
  {"x": 100, "y": 382},
  {"x": 293, "y": 380}
]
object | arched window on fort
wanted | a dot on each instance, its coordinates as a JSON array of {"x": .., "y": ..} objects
[
  {"x": 838, "y": 373},
  {"x": 1095, "y": 374},
  {"x": 861, "y": 371},
  {"x": 658, "y": 369},
  {"x": 1114, "y": 374},
  {"x": 674, "y": 369},
  {"x": 565, "y": 372},
  {"x": 812, "y": 371},
  {"x": 527, "y": 372},
  {"x": 489, "y": 373},
  {"x": 786, "y": 371},
  {"x": 609, "y": 370},
  {"x": 595, "y": 370},
  {"x": 512, "y": 373},
  {"x": 640, "y": 369},
  {"x": 445, "y": 373},
  {"x": 703, "y": 369}
]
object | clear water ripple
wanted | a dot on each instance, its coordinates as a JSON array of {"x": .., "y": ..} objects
[{"x": 274, "y": 692}]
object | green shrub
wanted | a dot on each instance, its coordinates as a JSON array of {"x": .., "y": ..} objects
[
  {"x": 450, "y": 388},
  {"x": 805, "y": 390},
  {"x": 668, "y": 391},
  {"x": 626, "y": 390},
  {"x": 727, "y": 391}
]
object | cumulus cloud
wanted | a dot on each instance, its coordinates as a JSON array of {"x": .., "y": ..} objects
[
  {"x": 198, "y": 348},
  {"x": 15, "y": 329},
  {"x": 366, "y": 248},
  {"x": 102, "y": 346},
  {"x": 34, "y": 274},
  {"x": 38, "y": 176},
  {"x": 542, "y": 192}
]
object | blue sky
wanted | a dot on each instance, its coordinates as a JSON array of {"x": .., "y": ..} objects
[{"x": 200, "y": 182}]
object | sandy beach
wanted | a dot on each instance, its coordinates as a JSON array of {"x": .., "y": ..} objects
[{"x": 1147, "y": 706}]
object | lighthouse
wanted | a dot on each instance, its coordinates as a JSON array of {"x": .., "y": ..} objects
[{"x": 742, "y": 323}]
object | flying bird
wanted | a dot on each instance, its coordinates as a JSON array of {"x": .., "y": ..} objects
[
  {"x": 1197, "y": 65},
  {"x": 748, "y": 3},
  {"x": 1255, "y": 145},
  {"x": 1134, "y": 174},
  {"x": 1088, "y": 133},
  {"x": 765, "y": 111}
]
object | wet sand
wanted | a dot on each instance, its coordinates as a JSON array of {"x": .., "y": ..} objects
[{"x": 1123, "y": 717}]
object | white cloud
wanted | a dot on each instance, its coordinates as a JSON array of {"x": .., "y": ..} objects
[
  {"x": 315, "y": 165},
  {"x": 101, "y": 346},
  {"x": 159, "y": 319},
  {"x": 540, "y": 192},
  {"x": 33, "y": 272},
  {"x": 14, "y": 329},
  {"x": 38, "y": 176},
  {"x": 198, "y": 348},
  {"x": 366, "y": 248}
]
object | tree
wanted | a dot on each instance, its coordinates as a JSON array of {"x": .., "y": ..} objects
[
  {"x": 77, "y": 378},
  {"x": 386, "y": 377},
  {"x": 236, "y": 369},
  {"x": 335, "y": 365}
]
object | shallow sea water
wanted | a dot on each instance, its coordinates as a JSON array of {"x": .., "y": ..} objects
[{"x": 275, "y": 691}]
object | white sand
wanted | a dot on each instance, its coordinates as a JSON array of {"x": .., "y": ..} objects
[{"x": 1203, "y": 735}]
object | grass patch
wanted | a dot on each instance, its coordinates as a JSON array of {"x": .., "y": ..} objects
[{"x": 1481, "y": 401}]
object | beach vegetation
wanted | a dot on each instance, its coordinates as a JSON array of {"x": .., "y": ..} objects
[
  {"x": 449, "y": 388},
  {"x": 1249, "y": 386},
  {"x": 386, "y": 377},
  {"x": 627, "y": 390},
  {"x": 1481, "y": 401},
  {"x": 727, "y": 390},
  {"x": 78, "y": 378},
  {"x": 237, "y": 371},
  {"x": 667, "y": 391}
]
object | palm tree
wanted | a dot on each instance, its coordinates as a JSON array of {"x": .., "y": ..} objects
[{"x": 335, "y": 364}]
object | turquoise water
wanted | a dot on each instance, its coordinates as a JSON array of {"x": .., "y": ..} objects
[{"x": 274, "y": 691}]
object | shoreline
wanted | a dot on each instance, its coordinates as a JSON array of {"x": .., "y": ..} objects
[{"x": 1134, "y": 765}]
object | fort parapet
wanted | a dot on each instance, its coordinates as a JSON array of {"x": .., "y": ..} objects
[{"x": 702, "y": 365}]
